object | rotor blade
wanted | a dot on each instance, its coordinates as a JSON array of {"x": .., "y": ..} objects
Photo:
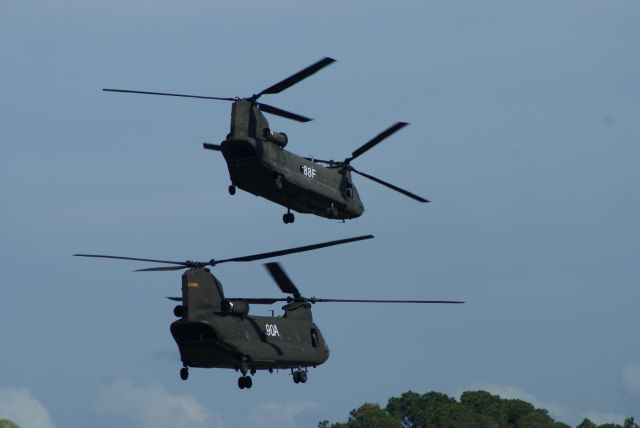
[
  {"x": 282, "y": 279},
  {"x": 160, "y": 268},
  {"x": 175, "y": 299},
  {"x": 168, "y": 94},
  {"x": 377, "y": 139},
  {"x": 290, "y": 250},
  {"x": 209, "y": 146},
  {"x": 300, "y": 75},
  {"x": 283, "y": 113},
  {"x": 317, "y": 300},
  {"x": 390, "y": 186},
  {"x": 131, "y": 258},
  {"x": 261, "y": 301},
  {"x": 328, "y": 162}
]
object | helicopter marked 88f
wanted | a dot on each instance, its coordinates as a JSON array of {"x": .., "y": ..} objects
[
  {"x": 308, "y": 171},
  {"x": 259, "y": 164},
  {"x": 215, "y": 331}
]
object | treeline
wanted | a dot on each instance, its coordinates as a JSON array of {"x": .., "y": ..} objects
[{"x": 476, "y": 409}]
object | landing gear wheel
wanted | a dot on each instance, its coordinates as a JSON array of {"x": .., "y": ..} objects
[
  {"x": 288, "y": 217},
  {"x": 299, "y": 376},
  {"x": 184, "y": 373},
  {"x": 245, "y": 382},
  {"x": 232, "y": 189}
]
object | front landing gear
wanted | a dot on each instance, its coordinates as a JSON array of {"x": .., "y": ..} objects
[
  {"x": 299, "y": 376},
  {"x": 245, "y": 382},
  {"x": 184, "y": 373},
  {"x": 232, "y": 189},
  {"x": 288, "y": 217}
]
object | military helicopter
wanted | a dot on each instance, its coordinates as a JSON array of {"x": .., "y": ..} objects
[
  {"x": 259, "y": 164},
  {"x": 217, "y": 331}
]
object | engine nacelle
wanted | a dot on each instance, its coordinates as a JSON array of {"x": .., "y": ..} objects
[
  {"x": 278, "y": 138},
  {"x": 235, "y": 307}
]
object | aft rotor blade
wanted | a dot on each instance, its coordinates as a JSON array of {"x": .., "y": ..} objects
[
  {"x": 209, "y": 146},
  {"x": 291, "y": 250},
  {"x": 283, "y": 113},
  {"x": 261, "y": 301},
  {"x": 131, "y": 258},
  {"x": 300, "y": 75},
  {"x": 168, "y": 94},
  {"x": 377, "y": 139},
  {"x": 282, "y": 279},
  {"x": 317, "y": 300},
  {"x": 391, "y": 186}
]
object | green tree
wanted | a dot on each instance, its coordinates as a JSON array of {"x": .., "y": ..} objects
[
  {"x": 476, "y": 409},
  {"x": 539, "y": 419},
  {"x": 366, "y": 416},
  {"x": 586, "y": 423},
  {"x": 6, "y": 423}
]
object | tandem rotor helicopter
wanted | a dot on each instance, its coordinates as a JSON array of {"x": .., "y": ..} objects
[
  {"x": 259, "y": 164},
  {"x": 215, "y": 331}
]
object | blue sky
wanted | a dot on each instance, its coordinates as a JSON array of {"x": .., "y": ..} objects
[{"x": 524, "y": 134}]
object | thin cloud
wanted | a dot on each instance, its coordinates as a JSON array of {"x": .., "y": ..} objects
[
  {"x": 278, "y": 415},
  {"x": 152, "y": 406},
  {"x": 20, "y": 406}
]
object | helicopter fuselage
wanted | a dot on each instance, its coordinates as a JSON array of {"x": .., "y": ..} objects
[
  {"x": 265, "y": 343},
  {"x": 210, "y": 334},
  {"x": 264, "y": 169},
  {"x": 261, "y": 166}
]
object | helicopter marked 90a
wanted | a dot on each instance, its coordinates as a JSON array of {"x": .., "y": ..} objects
[
  {"x": 215, "y": 331},
  {"x": 259, "y": 164}
]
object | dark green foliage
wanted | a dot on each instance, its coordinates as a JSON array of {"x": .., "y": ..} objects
[
  {"x": 6, "y": 423},
  {"x": 476, "y": 409},
  {"x": 367, "y": 416},
  {"x": 630, "y": 423},
  {"x": 586, "y": 423}
]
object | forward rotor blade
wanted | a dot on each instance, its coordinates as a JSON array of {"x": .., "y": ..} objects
[
  {"x": 317, "y": 300},
  {"x": 390, "y": 186},
  {"x": 131, "y": 258},
  {"x": 282, "y": 279},
  {"x": 377, "y": 139},
  {"x": 209, "y": 146},
  {"x": 161, "y": 269},
  {"x": 175, "y": 299},
  {"x": 168, "y": 94},
  {"x": 300, "y": 75},
  {"x": 283, "y": 113}
]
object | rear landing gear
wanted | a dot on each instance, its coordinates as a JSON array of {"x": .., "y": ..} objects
[
  {"x": 299, "y": 376},
  {"x": 184, "y": 373},
  {"x": 245, "y": 382},
  {"x": 288, "y": 217},
  {"x": 232, "y": 189}
]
